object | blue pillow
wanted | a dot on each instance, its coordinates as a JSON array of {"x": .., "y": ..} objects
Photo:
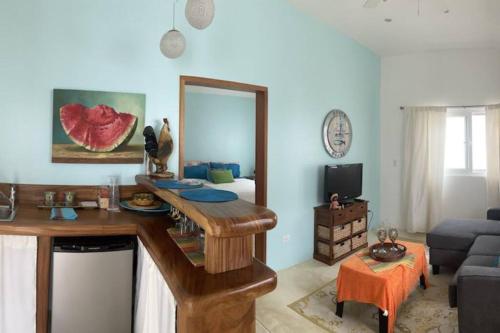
[
  {"x": 215, "y": 165},
  {"x": 234, "y": 167},
  {"x": 196, "y": 171}
]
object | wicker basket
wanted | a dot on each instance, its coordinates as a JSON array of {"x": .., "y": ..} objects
[
  {"x": 341, "y": 248},
  {"x": 324, "y": 232},
  {"x": 359, "y": 240},
  {"x": 359, "y": 225},
  {"x": 341, "y": 231},
  {"x": 323, "y": 249}
]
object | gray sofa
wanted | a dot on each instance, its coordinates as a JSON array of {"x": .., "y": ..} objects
[{"x": 473, "y": 247}]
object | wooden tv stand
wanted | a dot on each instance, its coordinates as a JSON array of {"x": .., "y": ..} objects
[{"x": 339, "y": 233}]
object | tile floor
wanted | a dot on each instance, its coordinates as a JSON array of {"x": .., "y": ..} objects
[{"x": 273, "y": 314}]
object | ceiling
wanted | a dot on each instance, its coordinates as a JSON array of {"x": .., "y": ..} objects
[{"x": 469, "y": 23}]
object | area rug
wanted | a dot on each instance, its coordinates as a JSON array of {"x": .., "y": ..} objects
[{"x": 424, "y": 311}]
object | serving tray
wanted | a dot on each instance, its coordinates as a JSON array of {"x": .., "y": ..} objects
[
  {"x": 61, "y": 205},
  {"x": 389, "y": 255}
]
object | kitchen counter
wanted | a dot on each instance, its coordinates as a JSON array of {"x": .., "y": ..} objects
[
  {"x": 32, "y": 221},
  {"x": 206, "y": 302}
]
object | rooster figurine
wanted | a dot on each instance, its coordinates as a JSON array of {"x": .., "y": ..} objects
[{"x": 159, "y": 151}]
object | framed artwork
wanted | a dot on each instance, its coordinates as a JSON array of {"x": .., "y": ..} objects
[{"x": 97, "y": 127}]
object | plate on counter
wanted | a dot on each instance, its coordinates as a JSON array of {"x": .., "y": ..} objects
[{"x": 155, "y": 208}]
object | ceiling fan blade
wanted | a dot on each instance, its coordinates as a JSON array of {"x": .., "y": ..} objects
[{"x": 372, "y": 3}]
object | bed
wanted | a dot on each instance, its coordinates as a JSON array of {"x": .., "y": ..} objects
[{"x": 245, "y": 188}]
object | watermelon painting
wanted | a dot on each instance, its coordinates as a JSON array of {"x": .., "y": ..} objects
[{"x": 97, "y": 127}]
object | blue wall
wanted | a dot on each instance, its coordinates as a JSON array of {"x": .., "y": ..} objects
[
  {"x": 220, "y": 128},
  {"x": 112, "y": 45}
]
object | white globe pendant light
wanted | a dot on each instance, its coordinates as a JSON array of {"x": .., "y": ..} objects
[
  {"x": 173, "y": 43},
  {"x": 200, "y": 13}
]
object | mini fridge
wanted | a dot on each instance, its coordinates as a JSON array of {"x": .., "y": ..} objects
[{"x": 92, "y": 284}]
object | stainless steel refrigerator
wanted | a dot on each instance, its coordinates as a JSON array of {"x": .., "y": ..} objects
[{"x": 92, "y": 284}]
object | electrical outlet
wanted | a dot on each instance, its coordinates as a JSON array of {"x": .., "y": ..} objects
[{"x": 286, "y": 238}]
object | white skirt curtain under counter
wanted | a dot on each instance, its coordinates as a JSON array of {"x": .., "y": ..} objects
[
  {"x": 18, "y": 284},
  {"x": 423, "y": 167},
  {"x": 155, "y": 309}
]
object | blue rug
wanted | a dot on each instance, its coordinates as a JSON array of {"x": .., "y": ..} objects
[
  {"x": 175, "y": 185},
  {"x": 209, "y": 195}
]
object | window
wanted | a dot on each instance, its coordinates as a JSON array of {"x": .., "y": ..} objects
[{"x": 466, "y": 140}]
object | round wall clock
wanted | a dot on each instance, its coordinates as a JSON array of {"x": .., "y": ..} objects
[{"x": 337, "y": 133}]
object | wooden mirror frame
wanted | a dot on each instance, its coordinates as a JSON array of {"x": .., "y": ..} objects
[{"x": 261, "y": 106}]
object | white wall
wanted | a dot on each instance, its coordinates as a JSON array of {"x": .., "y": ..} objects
[
  {"x": 113, "y": 45},
  {"x": 455, "y": 77},
  {"x": 220, "y": 128}
]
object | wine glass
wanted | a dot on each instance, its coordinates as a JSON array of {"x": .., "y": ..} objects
[
  {"x": 174, "y": 214},
  {"x": 184, "y": 225},
  {"x": 201, "y": 240},
  {"x": 192, "y": 227},
  {"x": 382, "y": 235},
  {"x": 393, "y": 235}
]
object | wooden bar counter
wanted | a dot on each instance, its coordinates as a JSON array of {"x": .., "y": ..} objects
[
  {"x": 223, "y": 302},
  {"x": 229, "y": 226}
]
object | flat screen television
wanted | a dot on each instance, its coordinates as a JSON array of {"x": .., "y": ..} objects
[{"x": 344, "y": 179}]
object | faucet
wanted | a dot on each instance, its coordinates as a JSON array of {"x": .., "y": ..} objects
[{"x": 12, "y": 198}]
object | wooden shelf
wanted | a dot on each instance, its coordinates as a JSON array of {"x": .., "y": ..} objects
[
  {"x": 330, "y": 250},
  {"x": 227, "y": 219}
]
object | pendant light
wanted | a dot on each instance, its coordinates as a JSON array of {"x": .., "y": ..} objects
[
  {"x": 200, "y": 13},
  {"x": 173, "y": 43}
]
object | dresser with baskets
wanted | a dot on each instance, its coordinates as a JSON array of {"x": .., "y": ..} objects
[{"x": 339, "y": 233}]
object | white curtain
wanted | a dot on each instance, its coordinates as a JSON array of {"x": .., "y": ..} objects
[
  {"x": 18, "y": 284},
  {"x": 155, "y": 304},
  {"x": 493, "y": 155},
  {"x": 423, "y": 167}
]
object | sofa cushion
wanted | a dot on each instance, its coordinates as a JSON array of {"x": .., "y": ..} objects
[
  {"x": 476, "y": 260},
  {"x": 473, "y": 260},
  {"x": 486, "y": 245},
  {"x": 458, "y": 234},
  {"x": 446, "y": 257}
]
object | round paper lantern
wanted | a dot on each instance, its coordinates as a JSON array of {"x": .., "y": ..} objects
[
  {"x": 173, "y": 44},
  {"x": 200, "y": 13}
]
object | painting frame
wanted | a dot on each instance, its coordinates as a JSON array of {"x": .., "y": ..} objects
[{"x": 98, "y": 127}]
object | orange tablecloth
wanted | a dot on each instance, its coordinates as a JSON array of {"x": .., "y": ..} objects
[{"x": 387, "y": 290}]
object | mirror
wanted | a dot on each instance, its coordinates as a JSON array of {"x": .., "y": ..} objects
[
  {"x": 223, "y": 139},
  {"x": 219, "y": 139}
]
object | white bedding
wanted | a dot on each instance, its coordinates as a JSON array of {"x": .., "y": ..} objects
[{"x": 245, "y": 188}]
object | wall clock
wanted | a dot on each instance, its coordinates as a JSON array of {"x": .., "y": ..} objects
[{"x": 337, "y": 133}]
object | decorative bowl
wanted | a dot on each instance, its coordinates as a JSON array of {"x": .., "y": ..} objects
[{"x": 143, "y": 199}]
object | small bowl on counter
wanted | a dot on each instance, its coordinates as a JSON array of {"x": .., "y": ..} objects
[{"x": 143, "y": 199}]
